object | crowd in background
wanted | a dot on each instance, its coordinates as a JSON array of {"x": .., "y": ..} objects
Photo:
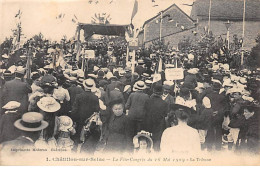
[{"x": 102, "y": 106}]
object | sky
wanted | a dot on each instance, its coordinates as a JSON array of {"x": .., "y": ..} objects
[{"x": 40, "y": 15}]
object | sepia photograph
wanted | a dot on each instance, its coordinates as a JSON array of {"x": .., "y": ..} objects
[{"x": 129, "y": 82}]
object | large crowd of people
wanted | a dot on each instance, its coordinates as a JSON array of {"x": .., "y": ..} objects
[{"x": 101, "y": 106}]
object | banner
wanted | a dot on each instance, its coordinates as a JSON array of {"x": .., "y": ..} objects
[{"x": 174, "y": 74}]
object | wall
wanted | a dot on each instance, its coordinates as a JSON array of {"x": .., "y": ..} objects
[{"x": 152, "y": 28}]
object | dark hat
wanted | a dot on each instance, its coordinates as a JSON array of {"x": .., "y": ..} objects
[
  {"x": 184, "y": 91},
  {"x": 101, "y": 73},
  {"x": 158, "y": 89},
  {"x": 7, "y": 73},
  {"x": 102, "y": 83}
]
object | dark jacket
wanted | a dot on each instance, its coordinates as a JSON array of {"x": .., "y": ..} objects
[
  {"x": 84, "y": 106},
  {"x": 203, "y": 119},
  {"x": 135, "y": 104},
  {"x": 155, "y": 113},
  {"x": 73, "y": 91},
  {"x": 7, "y": 129},
  {"x": 118, "y": 134},
  {"x": 217, "y": 104},
  {"x": 16, "y": 90}
]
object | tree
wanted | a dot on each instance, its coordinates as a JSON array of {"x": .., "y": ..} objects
[{"x": 253, "y": 60}]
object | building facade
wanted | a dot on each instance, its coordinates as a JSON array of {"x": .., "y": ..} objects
[{"x": 169, "y": 25}]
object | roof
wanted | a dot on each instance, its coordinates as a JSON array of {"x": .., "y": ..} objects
[
  {"x": 173, "y": 5},
  {"x": 101, "y": 29},
  {"x": 226, "y": 10}
]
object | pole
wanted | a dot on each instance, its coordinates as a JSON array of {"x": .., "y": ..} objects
[
  {"x": 161, "y": 28},
  {"x": 243, "y": 33},
  {"x": 127, "y": 52},
  {"x": 228, "y": 36},
  {"x": 209, "y": 16}
]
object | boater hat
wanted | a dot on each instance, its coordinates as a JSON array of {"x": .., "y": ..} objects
[
  {"x": 140, "y": 85},
  {"x": 48, "y": 104},
  {"x": 31, "y": 121}
]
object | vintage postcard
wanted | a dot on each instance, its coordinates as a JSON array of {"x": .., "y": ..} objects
[{"x": 129, "y": 82}]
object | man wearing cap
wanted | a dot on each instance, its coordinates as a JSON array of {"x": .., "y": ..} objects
[
  {"x": 7, "y": 130},
  {"x": 84, "y": 106},
  {"x": 156, "y": 110},
  {"x": 135, "y": 106},
  {"x": 17, "y": 90},
  {"x": 30, "y": 126}
]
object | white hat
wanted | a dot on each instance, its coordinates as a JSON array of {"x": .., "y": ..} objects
[
  {"x": 23, "y": 56},
  {"x": 95, "y": 69},
  {"x": 48, "y": 104},
  {"x": 20, "y": 70},
  {"x": 148, "y": 81},
  {"x": 169, "y": 83},
  {"x": 65, "y": 123},
  {"x": 234, "y": 90},
  {"x": 80, "y": 73},
  {"x": 216, "y": 81},
  {"x": 190, "y": 56},
  {"x": 206, "y": 102},
  {"x": 31, "y": 121},
  {"x": 193, "y": 70},
  {"x": 250, "y": 99},
  {"x": 5, "y": 56},
  {"x": 92, "y": 75},
  {"x": 109, "y": 75},
  {"x": 243, "y": 80},
  {"x": 89, "y": 84},
  {"x": 139, "y": 85},
  {"x": 12, "y": 105},
  {"x": 12, "y": 68},
  {"x": 126, "y": 88}
]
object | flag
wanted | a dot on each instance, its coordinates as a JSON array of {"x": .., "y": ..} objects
[
  {"x": 135, "y": 9},
  {"x": 18, "y": 14}
]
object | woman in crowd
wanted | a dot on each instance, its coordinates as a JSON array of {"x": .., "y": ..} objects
[{"x": 118, "y": 130}]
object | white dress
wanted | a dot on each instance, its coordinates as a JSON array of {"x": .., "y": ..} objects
[{"x": 180, "y": 139}]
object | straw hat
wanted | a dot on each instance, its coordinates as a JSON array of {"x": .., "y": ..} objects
[
  {"x": 139, "y": 85},
  {"x": 31, "y": 121},
  {"x": 12, "y": 105},
  {"x": 89, "y": 84},
  {"x": 20, "y": 70},
  {"x": 48, "y": 104}
]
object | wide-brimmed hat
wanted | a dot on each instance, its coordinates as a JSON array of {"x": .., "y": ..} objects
[
  {"x": 11, "y": 105},
  {"x": 139, "y": 85},
  {"x": 143, "y": 134},
  {"x": 89, "y": 84},
  {"x": 126, "y": 88},
  {"x": 5, "y": 56},
  {"x": 48, "y": 104},
  {"x": 193, "y": 71},
  {"x": 20, "y": 70},
  {"x": 31, "y": 121},
  {"x": 65, "y": 123}
]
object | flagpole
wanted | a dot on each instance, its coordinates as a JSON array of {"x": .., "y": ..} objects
[
  {"x": 161, "y": 28},
  {"x": 243, "y": 33},
  {"x": 209, "y": 16}
]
